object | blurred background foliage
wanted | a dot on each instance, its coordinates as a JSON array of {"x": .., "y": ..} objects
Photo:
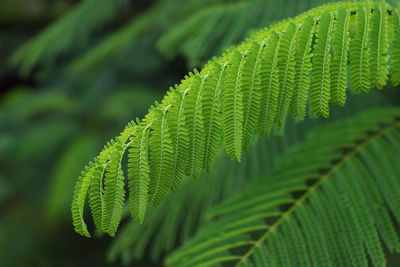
[{"x": 72, "y": 74}]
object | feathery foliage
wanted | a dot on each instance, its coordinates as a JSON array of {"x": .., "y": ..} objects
[
  {"x": 328, "y": 203},
  {"x": 169, "y": 224},
  {"x": 275, "y": 69}
]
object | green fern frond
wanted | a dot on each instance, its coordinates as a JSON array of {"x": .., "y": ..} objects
[
  {"x": 195, "y": 124},
  {"x": 326, "y": 207},
  {"x": 251, "y": 79},
  {"x": 212, "y": 114},
  {"x": 379, "y": 46},
  {"x": 161, "y": 155},
  {"x": 179, "y": 137},
  {"x": 303, "y": 69},
  {"x": 232, "y": 106},
  {"x": 139, "y": 172},
  {"x": 270, "y": 85},
  {"x": 340, "y": 49},
  {"x": 251, "y": 87},
  {"x": 321, "y": 80},
  {"x": 114, "y": 193},
  {"x": 360, "y": 52},
  {"x": 286, "y": 66}
]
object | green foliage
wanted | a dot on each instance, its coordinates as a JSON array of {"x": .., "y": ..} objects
[
  {"x": 280, "y": 69},
  {"x": 224, "y": 23},
  {"x": 328, "y": 203},
  {"x": 82, "y": 20},
  {"x": 170, "y": 224},
  {"x": 340, "y": 48},
  {"x": 138, "y": 173}
]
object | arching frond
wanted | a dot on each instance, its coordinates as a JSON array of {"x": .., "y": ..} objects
[
  {"x": 161, "y": 157},
  {"x": 340, "y": 48},
  {"x": 232, "y": 106},
  {"x": 379, "y": 46},
  {"x": 303, "y": 69},
  {"x": 139, "y": 172},
  {"x": 212, "y": 114},
  {"x": 286, "y": 66},
  {"x": 251, "y": 87},
  {"x": 270, "y": 85},
  {"x": 360, "y": 51},
  {"x": 328, "y": 203},
  {"x": 321, "y": 78}
]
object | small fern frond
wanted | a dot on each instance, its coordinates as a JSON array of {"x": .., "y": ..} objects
[
  {"x": 161, "y": 156},
  {"x": 179, "y": 137},
  {"x": 114, "y": 192},
  {"x": 251, "y": 86},
  {"x": 303, "y": 69},
  {"x": 360, "y": 52},
  {"x": 270, "y": 85},
  {"x": 78, "y": 201},
  {"x": 286, "y": 66},
  {"x": 321, "y": 80},
  {"x": 328, "y": 206},
  {"x": 251, "y": 79},
  {"x": 96, "y": 193},
  {"x": 212, "y": 114},
  {"x": 232, "y": 106},
  {"x": 139, "y": 172},
  {"x": 195, "y": 123},
  {"x": 379, "y": 46},
  {"x": 340, "y": 49}
]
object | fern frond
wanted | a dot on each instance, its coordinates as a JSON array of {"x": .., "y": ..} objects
[
  {"x": 270, "y": 85},
  {"x": 114, "y": 192},
  {"x": 340, "y": 49},
  {"x": 286, "y": 66},
  {"x": 232, "y": 106},
  {"x": 303, "y": 69},
  {"x": 161, "y": 156},
  {"x": 195, "y": 124},
  {"x": 252, "y": 86},
  {"x": 78, "y": 201},
  {"x": 96, "y": 193},
  {"x": 360, "y": 52},
  {"x": 379, "y": 46},
  {"x": 139, "y": 172},
  {"x": 179, "y": 136},
  {"x": 321, "y": 80},
  {"x": 90, "y": 182},
  {"x": 322, "y": 209},
  {"x": 212, "y": 113}
]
